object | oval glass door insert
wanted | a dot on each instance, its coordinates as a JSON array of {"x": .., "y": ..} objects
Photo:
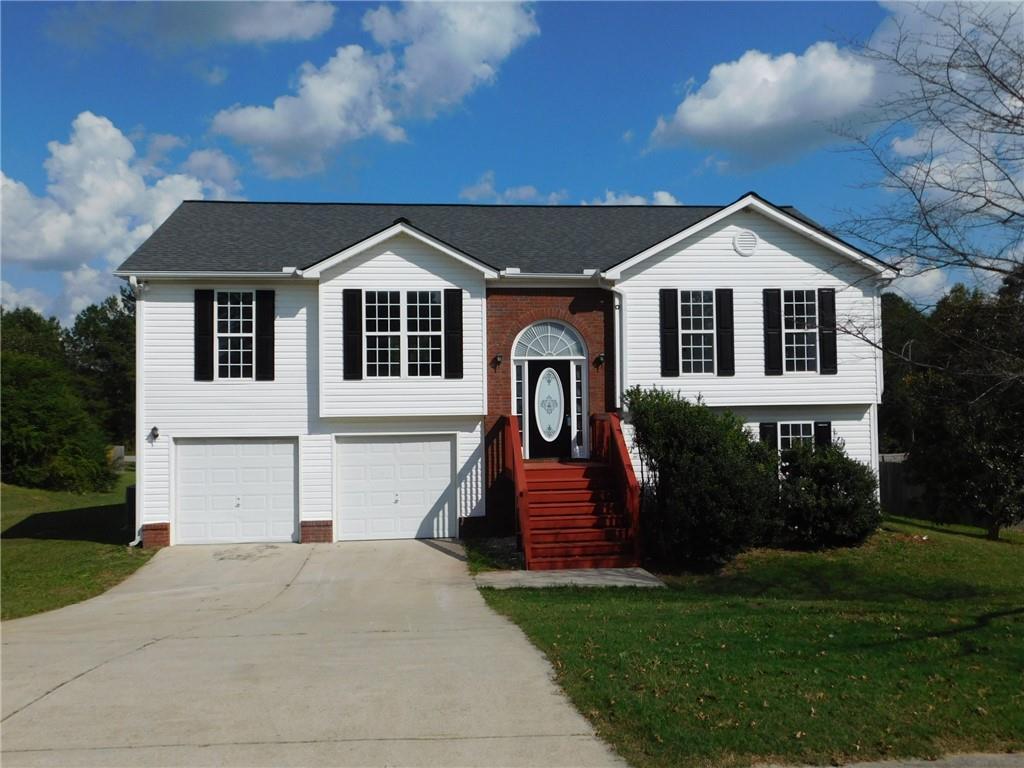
[{"x": 548, "y": 405}]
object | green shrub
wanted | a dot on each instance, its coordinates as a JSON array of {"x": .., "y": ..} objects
[
  {"x": 711, "y": 488},
  {"x": 827, "y": 499},
  {"x": 49, "y": 439}
]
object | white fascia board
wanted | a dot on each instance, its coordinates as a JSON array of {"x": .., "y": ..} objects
[
  {"x": 781, "y": 217},
  {"x": 315, "y": 271},
  {"x": 147, "y": 275}
]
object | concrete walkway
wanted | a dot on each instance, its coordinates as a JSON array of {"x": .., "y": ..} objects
[
  {"x": 591, "y": 577},
  {"x": 379, "y": 653}
]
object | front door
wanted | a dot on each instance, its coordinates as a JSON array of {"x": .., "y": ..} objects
[{"x": 550, "y": 422}]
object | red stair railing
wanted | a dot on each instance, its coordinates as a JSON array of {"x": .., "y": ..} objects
[
  {"x": 608, "y": 444},
  {"x": 513, "y": 460}
]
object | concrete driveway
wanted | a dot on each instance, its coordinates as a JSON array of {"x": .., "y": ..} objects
[{"x": 378, "y": 653}]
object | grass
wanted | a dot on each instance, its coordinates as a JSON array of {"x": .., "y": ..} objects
[
  {"x": 911, "y": 645},
  {"x": 59, "y": 548}
]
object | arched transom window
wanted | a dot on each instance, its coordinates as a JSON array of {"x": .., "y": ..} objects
[{"x": 549, "y": 339}]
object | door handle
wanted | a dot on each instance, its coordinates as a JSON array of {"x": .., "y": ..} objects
[{"x": 568, "y": 420}]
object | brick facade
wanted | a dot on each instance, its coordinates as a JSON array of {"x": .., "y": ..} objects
[
  {"x": 156, "y": 535},
  {"x": 590, "y": 311},
  {"x": 316, "y": 532}
]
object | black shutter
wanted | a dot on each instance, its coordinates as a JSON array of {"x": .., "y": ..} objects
[
  {"x": 827, "y": 329},
  {"x": 264, "y": 328},
  {"x": 670, "y": 346},
  {"x": 769, "y": 433},
  {"x": 203, "y": 370},
  {"x": 724, "y": 334},
  {"x": 453, "y": 333},
  {"x": 772, "y": 332},
  {"x": 822, "y": 434},
  {"x": 352, "y": 333}
]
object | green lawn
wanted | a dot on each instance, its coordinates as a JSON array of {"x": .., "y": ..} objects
[
  {"x": 910, "y": 645},
  {"x": 60, "y": 548}
]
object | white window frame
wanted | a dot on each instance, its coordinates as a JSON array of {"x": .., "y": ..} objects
[
  {"x": 786, "y": 333},
  {"x": 713, "y": 332},
  {"x": 403, "y": 333},
  {"x": 801, "y": 424},
  {"x": 218, "y": 335}
]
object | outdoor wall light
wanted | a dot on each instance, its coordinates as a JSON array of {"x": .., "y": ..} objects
[
  {"x": 498, "y": 360},
  {"x": 599, "y": 360},
  {"x": 154, "y": 433}
]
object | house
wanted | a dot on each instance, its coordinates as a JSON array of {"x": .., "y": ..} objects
[{"x": 325, "y": 372}]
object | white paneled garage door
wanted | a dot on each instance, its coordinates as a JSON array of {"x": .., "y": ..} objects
[
  {"x": 395, "y": 487},
  {"x": 232, "y": 491}
]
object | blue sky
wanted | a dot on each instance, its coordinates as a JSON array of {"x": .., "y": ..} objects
[{"x": 112, "y": 114}]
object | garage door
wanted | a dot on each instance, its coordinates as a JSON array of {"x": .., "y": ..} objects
[
  {"x": 232, "y": 491},
  {"x": 395, "y": 487}
]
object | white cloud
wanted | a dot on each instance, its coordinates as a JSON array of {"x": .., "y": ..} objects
[
  {"x": 432, "y": 55},
  {"x": 217, "y": 171},
  {"x": 763, "y": 107},
  {"x": 340, "y": 102},
  {"x": 448, "y": 49},
  {"x": 658, "y": 197},
  {"x": 100, "y": 203},
  {"x": 627, "y": 135},
  {"x": 192, "y": 23},
  {"x": 921, "y": 285},
  {"x": 484, "y": 190},
  {"x": 214, "y": 75},
  {"x": 84, "y": 286},
  {"x": 11, "y": 297}
]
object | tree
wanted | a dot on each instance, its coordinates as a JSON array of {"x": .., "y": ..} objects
[
  {"x": 968, "y": 408},
  {"x": 949, "y": 141},
  {"x": 26, "y": 331},
  {"x": 904, "y": 331},
  {"x": 49, "y": 439},
  {"x": 101, "y": 350}
]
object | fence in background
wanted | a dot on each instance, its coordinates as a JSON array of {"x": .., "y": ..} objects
[{"x": 899, "y": 495}]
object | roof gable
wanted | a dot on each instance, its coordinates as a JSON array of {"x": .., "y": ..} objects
[
  {"x": 400, "y": 227},
  {"x": 752, "y": 201}
]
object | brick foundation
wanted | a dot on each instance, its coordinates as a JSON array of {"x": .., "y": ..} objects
[
  {"x": 591, "y": 312},
  {"x": 156, "y": 535},
  {"x": 316, "y": 532}
]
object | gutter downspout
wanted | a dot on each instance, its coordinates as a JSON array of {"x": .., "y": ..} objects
[{"x": 620, "y": 367}]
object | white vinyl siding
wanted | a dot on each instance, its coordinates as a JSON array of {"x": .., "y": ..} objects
[
  {"x": 401, "y": 264},
  {"x": 784, "y": 260},
  {"x": 285, "y": 407},
  {"x": 851, "y": 424}
]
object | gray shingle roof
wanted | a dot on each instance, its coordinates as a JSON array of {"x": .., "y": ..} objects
[{"x": 207, "y": 236}]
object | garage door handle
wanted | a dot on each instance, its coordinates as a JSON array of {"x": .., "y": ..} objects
[{"x": 396, "y": 498}]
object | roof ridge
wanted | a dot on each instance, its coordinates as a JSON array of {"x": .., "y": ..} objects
[{"x": 461, "y": 205}]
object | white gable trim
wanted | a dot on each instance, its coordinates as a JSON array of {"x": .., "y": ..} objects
[
  {"x": 398, "y": 228},
  {"x": 769, "y": 211}
]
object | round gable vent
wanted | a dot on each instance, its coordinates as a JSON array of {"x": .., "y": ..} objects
[{"x": 745, "y": 242}]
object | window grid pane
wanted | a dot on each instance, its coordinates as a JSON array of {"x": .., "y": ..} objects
[
  {"x": 697, "y": 329},
  {"x": 795, "y": 432},
  {"x": 519, "y": 399},
  {"x": 383, "y": 333},
  {"x": 800, "y": 321},
  {"x": 579, "y": 405},
  {"x": 423, "y": 323},
  {"x": 234, "y": 334}
]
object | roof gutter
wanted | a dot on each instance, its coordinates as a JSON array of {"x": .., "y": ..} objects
[
  {"x": 285, "y": 272},
  {"x": 586, "y": 275}
]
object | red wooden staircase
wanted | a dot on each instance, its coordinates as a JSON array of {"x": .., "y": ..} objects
[{"x": 577, "y": 514}]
